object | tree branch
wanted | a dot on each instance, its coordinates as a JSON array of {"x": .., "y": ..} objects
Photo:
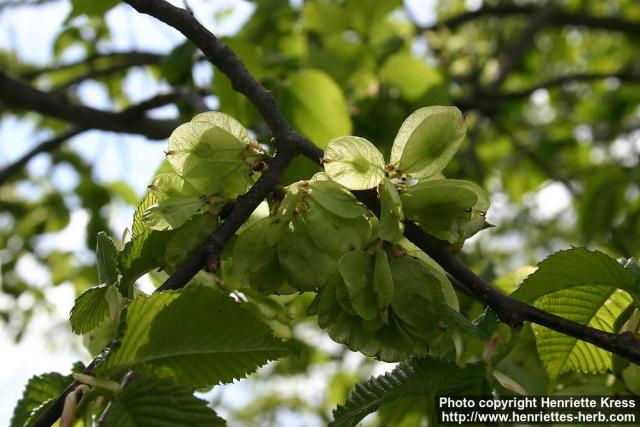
[
  {"x": 490, "y": 101},
  {"x": 18, "y": 94},
  {"x": 516, "y": 50},
  {"x": 622, "y": 75},
  {"x": 99, "y": 72},
  {"x": 134, "y": 112},
  {"x": 558, "y": 18},
  {"x": 45, "y": 146},
  {"x": 121, "y": 59}
]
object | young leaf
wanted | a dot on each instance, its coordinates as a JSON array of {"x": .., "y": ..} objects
[
  {"x": 95, "y": 340},
  {"x": 354, "y": 162},
  {"x": 440, "y": 207},
  {"x": 209, "y": 158},
  {"x": 177, "y": 66},
  {"x": 107, "y": 259},
  {"x": 478, "y": 211},
  {"x": 411, "y": 75},
  {"x": 308, "y": 267},
  {"x": 428, "y": 140},
  {"x": 426, "y": 376},
  {"x": 346, "y": 234},
  {"x": 418, "y": 299},
  {"x": 356, "y": 269},
  {"x": 90, "y": 309},
  {"x": 255, "y": 260},
  {"x": 315, "y": 104},
  {"x": 336, "y": 199},
  {"x": 148, "y": 401},
  {"x": 39, "y": 393},
  {"x": 167, "y": 185},
  {"x": 226, "y": 122},
  {"x": 139, "y": 227},
  {"x": 172, "y": 212},
  {"x": 184, "y": 240},
  {"x": 391, "y": 216},
  {"x": 383, "y": 284},
  {"x": 198, "y": 337}
]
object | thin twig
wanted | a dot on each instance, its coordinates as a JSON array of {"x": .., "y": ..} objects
[
  {"x": 44, "y": 147},
  {"x": 558, "y": 17}
]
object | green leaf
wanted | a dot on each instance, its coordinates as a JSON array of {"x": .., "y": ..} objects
[
  {"x": 139, "y": 227},
  {"x": 412, "y": 76},
  {"x": 91, "y": 7},
  {"x": 141, "y": 255},
  {"x": 39, "y": 393},
  {"x": 426, "y": 376},
  {"x": 315, "y": 104},
  {"x": 583, "y": 286},
  {"x": 198, "y": 337},
  {"x": 124, "y": 191},
  {"x": 255, "y": 260},
  {"x": 356, "y": 269},
  {"x": 95, "y": 340},
  {"x": 479, "y": 210},
  {"x": 354, "y": 162},
  {"x": 383, "y": 284},
  {"x": 107, "y": 259},
  {"x": 168, "y": 185},
  {"x": 631, "y": 377},
  {"x": 573, "y": 268},
  {"x": 184, "y": 240},
  {"x": 308, "y": 267},
  {"x": 596, "y": 306},
  {"x": 90, "y": 309},
  {"x": 325, "y": 17},
  {"x": 225, "y": 122},
  {"x": 148, "y": 401},
  {"x": 428, "y": 140},
  {"x": 441, "y": 207},
  {"x": 391, "y": 226},
  {"x": 483, "y": 327},
  {"x": 177, "y": 66},
  {"x": 347, "y": 234},
  {"x": 418, "y": 298},
  {"x": 212, "y": 154},
  {"x": 171, "y": 213},
  {"x": 336, "y": 199}
]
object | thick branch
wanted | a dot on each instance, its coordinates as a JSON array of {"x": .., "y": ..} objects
[
  {"x": 18, "y": 94},
  {"x": 558, "y": 17},
  {"x": 134, "y": 112}
]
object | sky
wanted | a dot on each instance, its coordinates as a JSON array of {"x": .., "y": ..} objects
[{"x": 122, "y": 157}]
